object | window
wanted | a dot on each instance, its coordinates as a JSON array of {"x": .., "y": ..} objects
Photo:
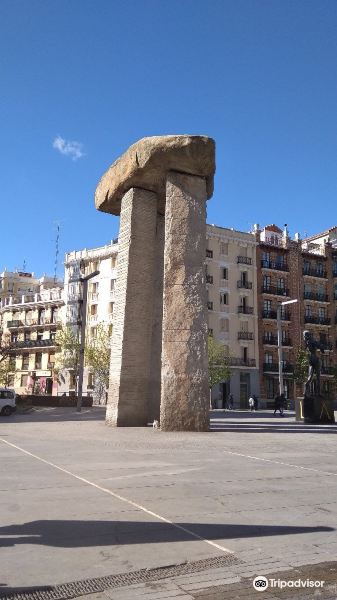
[
  {"x": 38, "y": 360},
  {"x": 14, "y": 337},
  {"x": 322, "y": 313},
  {"x": 42, "y": 316},
  {"x": 308, "y": 310},
  {"x": 29, "y": 317},
  {"x": 243, "y": 250},
  {"x": 90, "y": 381},
  {"x": 54, "y": 314},
  {"x": 113, "y": 262},
  {"x": 244, "y": 326},
  {"x": 210, "y": 332},
  {"x": 52, "y": 335},
  {"x": 268, "y": 358},
  {"x": 209, "y": 253},
  {"x": 319, "y": 268},
  {"x": 93, "y": 309},
  {"x": 110, "y": 308},
  {"x": 224, "y": 325},
  {"x": 224, "y": 248},
  {"x": 27, "y": 336},
  {"x": 281, "y": 284},
  {"x": 267, "y": 306},
  {"x": 93, "y": 332},
  {"x": 223, "y": 298},
  {"x": 94, "y": 287},
  {"x": 112, "y": 285},
  {"x": 224, "y": 273},
  {"x": 266, "y": 282},
  {"x": 39, "y": 335},
  {"x": 265, "y": 258},
  {"x": 25, "y": 362},
  {"x": 24, "y": 380}
]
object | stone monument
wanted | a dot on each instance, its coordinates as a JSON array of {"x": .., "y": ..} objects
[{"x": 159, "y": 365}]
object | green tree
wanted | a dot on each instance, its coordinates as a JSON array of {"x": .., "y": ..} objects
[
  {"x": 301, "y": 367},
  {"x": 7, "y": 360},
  {"x": 97, "y": 357},
  {"x": 69, "y": 356},
  {"x": 218, "y": 363}
]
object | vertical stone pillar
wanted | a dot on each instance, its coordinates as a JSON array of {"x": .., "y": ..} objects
[
  {"x": 128, "y": 396},
  {"x": 157, "y": 321},
  {"x": 184, "y": 375}
]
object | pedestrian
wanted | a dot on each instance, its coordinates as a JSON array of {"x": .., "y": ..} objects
[
  {"x": 230, "y": 402},
  {"x": 251, "y": 403},
  {"x": 256, "y": 402},
  {"x": 278, "y": 404}
]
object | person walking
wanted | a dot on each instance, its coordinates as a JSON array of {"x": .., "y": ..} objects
[
  {"x": 230, "y": 402},
  {"x": 278, "y": 404},
  {"x": 251, "y": 403},
  {"x": 256, "y": 402}
]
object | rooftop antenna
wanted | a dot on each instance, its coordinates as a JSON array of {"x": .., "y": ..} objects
[
  {"x": 57, "y": 249},
  {"x": 24, "y": 266}
]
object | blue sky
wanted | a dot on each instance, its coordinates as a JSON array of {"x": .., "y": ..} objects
[{"x": 260, "y": 76}]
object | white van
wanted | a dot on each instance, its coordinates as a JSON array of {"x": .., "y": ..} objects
[{"x": 7, "y": 401}]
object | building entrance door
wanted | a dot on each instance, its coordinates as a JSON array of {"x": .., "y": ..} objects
[{"x": 243, "y": 395}]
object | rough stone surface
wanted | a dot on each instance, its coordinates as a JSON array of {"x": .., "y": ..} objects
[
  {"x": 146, "y": 164},
  {"x": 129, "y": 390},
  {"x": 184, "y": 377},
  {"x": 157, "y": 320}
]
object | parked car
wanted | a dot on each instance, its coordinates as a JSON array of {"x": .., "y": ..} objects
[{"x": 7, "y": 402}]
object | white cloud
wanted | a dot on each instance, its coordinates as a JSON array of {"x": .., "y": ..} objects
[{"x": 72, "y": 149}]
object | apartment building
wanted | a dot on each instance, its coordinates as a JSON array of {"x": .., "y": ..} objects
[
  {"x": 231, "y": 279},
  {"x": 302, "y": 270},
  {"x": 31, "y": 313},
  {"x": 100, "y": 300}
]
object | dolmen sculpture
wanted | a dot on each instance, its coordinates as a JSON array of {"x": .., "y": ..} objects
[{"x": 159, "y": 367}]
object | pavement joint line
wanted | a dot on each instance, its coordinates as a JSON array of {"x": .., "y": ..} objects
[
  {"x": 121, "y": 498},
  {"x": 278, "y": 462}
]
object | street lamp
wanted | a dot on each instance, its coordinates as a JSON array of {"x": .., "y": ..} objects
[
  {"x": 84, "y": 281},
  {"x": 279, "y": 342}
]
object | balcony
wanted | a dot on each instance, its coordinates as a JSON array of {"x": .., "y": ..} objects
[
  {"x": 272, "y": 340},
  {"x": 310, "y": 272},
  {"x": 272, "y": 314},
  {"x": 34, "y": 343},
  {"x": 245, "y": 335},
  {"x": 316, "y": 320},
  {"x": 245, "y": 310},
  {"x": 242, "y": 362},
  {"x": 315, "y": 296},
  {"x": 245, "y": 285},
  {"x": 209, "y": 278},
  {"x": 275, "y": 291},
  {"x": 244, "y": 260},
  {"x": 210, "y": 305},
  {"x": 325, "y": 370},
  {"x": 273, "y": 368},
  {"x": 14, "y": 324},
  {"x": 274, "y": 264}
]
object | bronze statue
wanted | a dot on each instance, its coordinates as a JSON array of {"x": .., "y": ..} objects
[{"x": 312, "y": 386}]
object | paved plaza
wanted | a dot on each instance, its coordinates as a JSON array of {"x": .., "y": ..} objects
[{"x": 138, "y": 513}]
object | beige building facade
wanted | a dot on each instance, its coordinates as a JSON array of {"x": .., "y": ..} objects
[
  {"x": 232, "y": 309},
  {"x": 100, "y": 300},
  {"x": 31, "y": 313}
]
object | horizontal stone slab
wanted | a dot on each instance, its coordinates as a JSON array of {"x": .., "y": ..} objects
[{"x": 146, "y": 164}]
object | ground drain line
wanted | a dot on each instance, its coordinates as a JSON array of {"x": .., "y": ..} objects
[
  {"x": 99, "y": 584},
  {"x": 122, "y": 498},
  {"x": 278, "y": 462}
]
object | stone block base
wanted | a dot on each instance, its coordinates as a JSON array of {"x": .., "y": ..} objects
[{"x": 315, "y": 409}]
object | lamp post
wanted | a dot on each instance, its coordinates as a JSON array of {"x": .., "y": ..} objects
[
  {"x": 84, "y": 281},
  {"x": 279, "y": 342}
]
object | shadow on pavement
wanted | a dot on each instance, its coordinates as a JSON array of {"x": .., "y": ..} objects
[{"x": 74, "y": 534}]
